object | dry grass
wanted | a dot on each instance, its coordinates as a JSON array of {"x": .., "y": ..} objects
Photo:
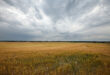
[{"x": 54, "y": 58}]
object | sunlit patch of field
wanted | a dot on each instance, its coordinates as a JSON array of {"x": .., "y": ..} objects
[{"x": 54, "y": 58}]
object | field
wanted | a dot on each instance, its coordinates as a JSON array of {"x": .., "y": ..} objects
[{"x": 54, "y": 58}]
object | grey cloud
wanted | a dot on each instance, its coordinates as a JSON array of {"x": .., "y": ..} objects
[
  {"x": 55, "y": 20},
  {"x": 23, "y": 5},
  {"x": 69, "y": 8}
]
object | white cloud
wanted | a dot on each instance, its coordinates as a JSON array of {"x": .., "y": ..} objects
[
  {"x": 68, "y": 25},
  {"x": 47, "y": 20}
]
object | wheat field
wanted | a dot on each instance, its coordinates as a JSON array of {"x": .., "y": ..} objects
[{"x": 54, "y": 58}]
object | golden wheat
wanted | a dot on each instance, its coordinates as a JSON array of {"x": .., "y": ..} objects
[{"x": 54, "y": 58}]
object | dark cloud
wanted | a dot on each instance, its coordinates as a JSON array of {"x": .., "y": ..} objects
[{"x": 55, "y": 20}]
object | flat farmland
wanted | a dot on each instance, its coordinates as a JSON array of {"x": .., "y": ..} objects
[{"x": 54, "y": 58}]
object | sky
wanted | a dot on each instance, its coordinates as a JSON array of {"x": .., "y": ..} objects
[{"x": 55, "y": 20}]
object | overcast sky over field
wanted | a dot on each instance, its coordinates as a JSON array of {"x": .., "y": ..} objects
[{"x": 55, "y": 20}]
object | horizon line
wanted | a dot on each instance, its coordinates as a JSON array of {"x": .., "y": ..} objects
[{"x": 54, "y": 41}]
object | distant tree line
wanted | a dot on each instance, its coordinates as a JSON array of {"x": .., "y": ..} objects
[{"x": 58, "y": 41}]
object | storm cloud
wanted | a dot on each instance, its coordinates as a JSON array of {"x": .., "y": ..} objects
[{"x": 55, "y": 20}]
